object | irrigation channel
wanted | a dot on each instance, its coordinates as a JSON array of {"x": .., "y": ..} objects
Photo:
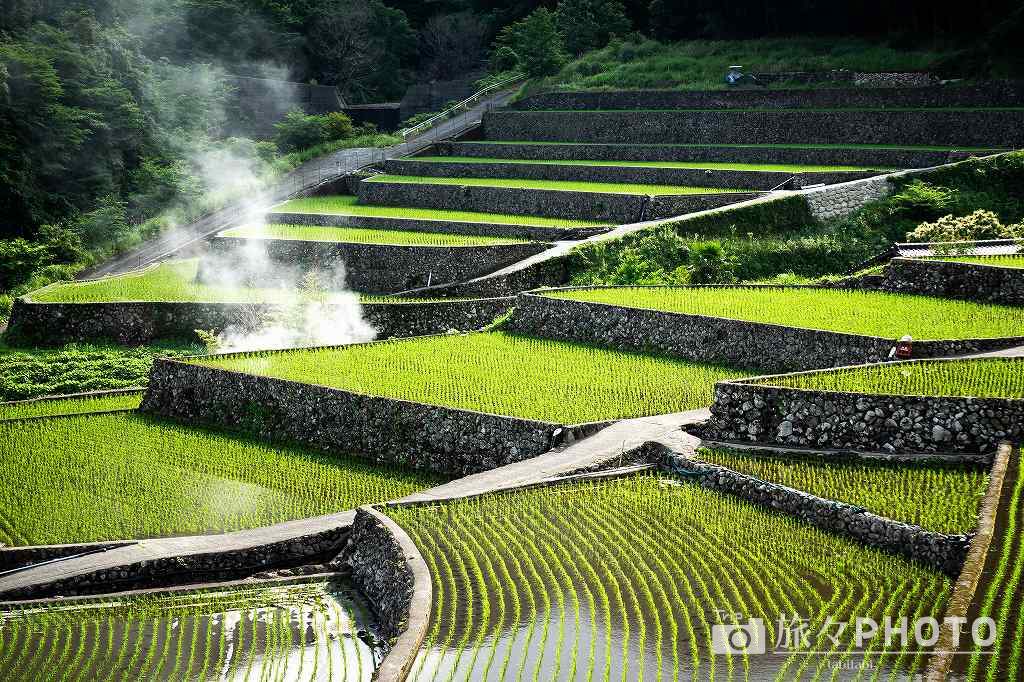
[{"x": 289, "y": 632}]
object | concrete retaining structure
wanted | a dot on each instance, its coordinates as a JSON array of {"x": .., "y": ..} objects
[
  {"x": 532, "y": 232},
  {"x": 703, "y": 338},
  {"x": 417, "y": 435},
  {"x": 944, "y": 552},
  {"x": 371, "y": 268},
  {"x": 868, "y": 158},
  {"x": 992, "y": 94},
  {"x": 692, "y": 177},
  {"x": 753, "y": 410},
  {"x": 967, "y": 127},
  {"x": 968, "y": 281},
  {"x": 131, "y": 322},
  {"x": 599, "y": 206}
]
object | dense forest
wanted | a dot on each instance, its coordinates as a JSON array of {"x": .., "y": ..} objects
[{"x": 111, "y": 111}]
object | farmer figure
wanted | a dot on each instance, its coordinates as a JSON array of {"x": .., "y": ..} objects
[
  {"x": 734, "y": 76},
  {"x": 903, "y": 348}
]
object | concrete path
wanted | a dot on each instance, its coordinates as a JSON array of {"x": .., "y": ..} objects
[
  {"x": 306, "y": 177},
  {"x": 602, "y": 447}
]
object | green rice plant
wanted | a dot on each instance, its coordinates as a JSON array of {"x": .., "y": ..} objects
[
  {"x": 695, "y": 165},
  {"x": 288, "y": 632},
  {"x": 1000, "y": 592},
  {"x": 979, "y": 378},
  {"x": 919, "y": 148},
  {"x": 87, "y": 404},
  {"x": 625, "y": 579},
  {"x": 564, "y": 185},
  {"x": 944, "y": 499},
  {"x": 348, "y": 205},
  {"x": 84, "y": 478},
  {"x": 357, "y": 235},
  {"x": 1015, "y": 261},
  {"x": 872, "y": 313},
  {"x": 78, "y": 368},
  {"x": 498, "y": 373}
]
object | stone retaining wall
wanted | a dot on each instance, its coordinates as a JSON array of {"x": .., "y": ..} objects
[
  {"x": 545, "y": 273},
  {"x": 969, "y": 281},
  {"x": 839, "y": 201},
  {"x": 19, "y": 557},
  {"x": 193, "y": 568},
  {"x": 702, "y": 338},
  {"x": 532, "y": 232},
  {"x": 600, "y": 206},
  {"x": 938, "y": 550},
  {"x": 973, "y": 128},
  {"x": 416, "y": 435},
  {"x": 54, "y": 324},
  {"x": 878, "y": 158},
  {"x": 757, "y": 412},
  {"x": 993, "y": 94},
  {"x": 692, "y": 177},
  {"x": 371, "y": 268}
]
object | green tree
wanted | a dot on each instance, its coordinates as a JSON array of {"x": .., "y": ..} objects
[
  {"x": 590, "y": 24},
  {"x": 536, "y": 42}
]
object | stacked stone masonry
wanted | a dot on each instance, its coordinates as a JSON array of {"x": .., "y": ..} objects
[
  {"x": 54, "y": 324},
  {"x": 970, "y": 281},
  {"x": 941, "y": 551},
  {"x": 839, "y": 201},
  {"x": 19, "y": 557},
  {"x": 789, "y": 417},
  {"x": 767, "y": 347},
  {"x": 387, "y": 430}
]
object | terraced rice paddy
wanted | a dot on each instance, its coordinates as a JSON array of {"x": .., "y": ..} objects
[
  {"x": 626, "y": 579},
  {"x": 348, "y": 205},
  {"x": 1000, "y": 593},
  {"x": 284, "y": 633},
  {"x": 980, "y": 378},
  {"x": 564, "y": 185},
  {"x": 50, "y": 407},
  {"x": 499, "y": 373},
  {"x": 355, "y": 235},
  {"x": 1014, "y": 261},
  {"x": 870, "y": 313},
  {"x": 695, "y": 165},
  {"x": 919, "y": 148},
  {"x": 944, "y": 499},
  {"x": 170, "y": 281},
  {"x": 122, "y": 475}
]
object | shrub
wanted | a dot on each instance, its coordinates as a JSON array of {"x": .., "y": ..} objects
[
  {"x": 337, "y": 126},
  {"x": 536, "y": 42},
  {"x": 980, "y": 224},
  {"x": 920, "y": 200},
  {"x": 297, "y": 130},
  {"x": 708, "y": 263},
  {"x": 504, "y": 59},
  {"x": 18, "y": 260}
]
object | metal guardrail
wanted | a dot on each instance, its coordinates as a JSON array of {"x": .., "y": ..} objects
[{"x": 465, "y": 105}]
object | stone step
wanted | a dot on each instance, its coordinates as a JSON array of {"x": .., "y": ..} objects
[
  {"x": 580, "y": 205},
  {"x": 699, "y": 177},
  {"x": 945, "y": 127},
  {"x": 826, "y": 155},
  {"x": 531, "y": 232}
]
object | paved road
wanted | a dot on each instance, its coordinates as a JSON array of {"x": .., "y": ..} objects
[
  {"x": 603, "y": 446},
  {"x": 306, "y": 177}
]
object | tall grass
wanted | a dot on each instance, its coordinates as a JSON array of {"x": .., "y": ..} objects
[
  {"x": 979, "y": 378},
  {"x": 356, "y": 235},
  {"x": 856, "y": 312},
  {"x": 348, "y": 205},
  {"x": 563, "y": 185},
  {"x": 499, "y": 373},
  {"x": 121, "y": 475},
  {"x": 49, "y": 407},
  {"x": 941, "y": 499},
  {"x": 625, "y": 579}
]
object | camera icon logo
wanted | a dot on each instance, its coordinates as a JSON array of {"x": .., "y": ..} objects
[{"x": 748, "y": 638}]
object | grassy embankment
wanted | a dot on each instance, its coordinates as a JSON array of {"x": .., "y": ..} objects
[
  {"x": 356, "y": 235},
  {"x": 570, "y": 186}
]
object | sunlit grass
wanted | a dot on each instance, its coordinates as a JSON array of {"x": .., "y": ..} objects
[
  {"x": 1015, "y": 261},
  {"x": 563, "y": 185},
  {"x": 357, "y": 235},
  {"x": 690, "y": 165}
]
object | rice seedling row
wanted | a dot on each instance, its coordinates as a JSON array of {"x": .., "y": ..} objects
[
  {"x": 696, "y": 165},
  {"x": 979, "y": 378},
  {"x": 348, "y": 205},
  {"x": 563, "y": 185},
  {"x": 869, "y": 313},
  {"x": 939, "y": 498},
  {"x": 86, "y": 478},
  {"x": 356, "y": 235},
  {"x": 499, "y": 373},
  {"x": 625, "y": 579},
  {"x": 919, "y": 148},
  {"x": 66, "y": 406},
  {"x": 1015, "y": 261},
  {"x": 293, "y": 632}
]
